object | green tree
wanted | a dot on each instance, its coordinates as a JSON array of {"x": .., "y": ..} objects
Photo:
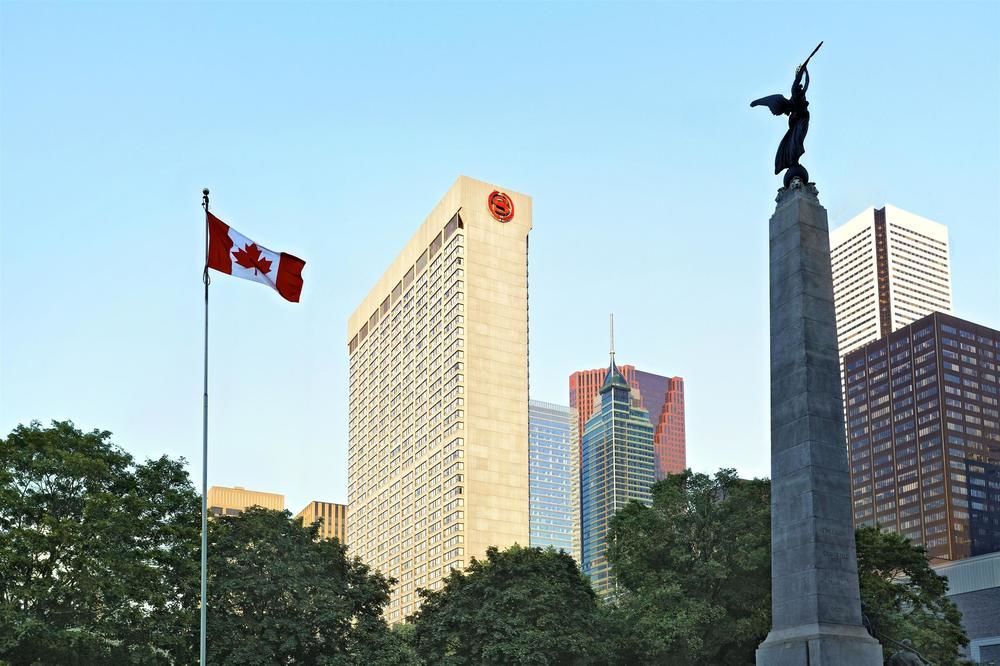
[
  {"x": 695, "y": 578},
  {"x": 903, "y": 598},
  {"x": 96, "y": 551},
  {"x": 518, "y": 606},
  {"x": 693, "y": 571},
  {"x": 99, "y": 564},
  {"x": 279, "y": 595}
]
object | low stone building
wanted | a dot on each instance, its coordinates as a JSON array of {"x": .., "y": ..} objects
[{"x": 974, "y": 586}]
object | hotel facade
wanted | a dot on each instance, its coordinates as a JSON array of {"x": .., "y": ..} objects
[{"x": 438, "y": 395}]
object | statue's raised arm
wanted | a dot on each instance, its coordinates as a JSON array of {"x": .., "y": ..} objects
[
  {"x": 802, "y": 73},
  {"x": 792, "y": 146},
  {"x": 806, "y": 61}
]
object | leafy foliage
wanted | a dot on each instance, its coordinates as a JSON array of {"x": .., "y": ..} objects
[
  {"x": 693, "y": 571},
  {"x": 277, "y": 595},
  {"x": 518, "y": 606},
  {"x": 99, "y": 560},
  {"x": 99, "y": 564},
  {"x": 903, "y": 598},
  {"x": 96, "y": 551}
]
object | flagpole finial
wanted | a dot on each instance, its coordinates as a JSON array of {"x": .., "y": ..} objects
[{"x": 204, "y": 276}]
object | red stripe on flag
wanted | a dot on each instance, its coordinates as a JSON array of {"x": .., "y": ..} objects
[
  {"x": 220, "y": 246},
  {"x": 289, "y": 281}
]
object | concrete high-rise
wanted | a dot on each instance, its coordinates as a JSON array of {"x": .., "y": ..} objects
[
  {"x": 923, "y": 432},
  {"x": 554, "y": 477},
  {"x": 333, "y": 519},
  {"x": 662, "y": 397},
  {"x": 890, "y": 268},
  {"x": 438, "y": 395},
  {"x": 223, "y": 501},
  {"x": 616, "y": 467}
]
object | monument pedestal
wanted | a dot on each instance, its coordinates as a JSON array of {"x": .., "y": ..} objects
[
  {"x": 816, "y": 606},
  {"x": 820, "y": 645}
]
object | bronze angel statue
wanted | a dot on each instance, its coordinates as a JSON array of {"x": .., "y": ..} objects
[{"x": 792, "y": 146}]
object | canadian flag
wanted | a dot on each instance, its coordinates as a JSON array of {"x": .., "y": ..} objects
[{"x": 231, "y": 252}]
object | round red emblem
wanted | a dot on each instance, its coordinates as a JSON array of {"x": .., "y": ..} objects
[{"x": 501, "y": 206}]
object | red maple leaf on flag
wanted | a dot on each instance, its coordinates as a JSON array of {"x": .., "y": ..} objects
[{"x": 248, "y": 256}]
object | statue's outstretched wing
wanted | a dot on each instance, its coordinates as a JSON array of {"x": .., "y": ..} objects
[{"x": 779, "y": 104}]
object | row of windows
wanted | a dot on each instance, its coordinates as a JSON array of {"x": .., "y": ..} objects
[{"x": 453, "y": 225}]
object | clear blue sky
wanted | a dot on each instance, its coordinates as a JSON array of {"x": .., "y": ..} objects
[{"x": 331, "y": 130}]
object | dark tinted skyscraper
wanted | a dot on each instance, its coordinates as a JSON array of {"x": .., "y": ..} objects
[{"x": 923, "y": 408}]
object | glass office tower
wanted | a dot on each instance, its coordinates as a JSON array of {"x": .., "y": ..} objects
[
  {"x": 662, "y": 397},
  {"x": 554, "y": 481},
  {"x": 617, "y": 467}
]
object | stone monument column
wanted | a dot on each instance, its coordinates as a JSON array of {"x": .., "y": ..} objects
[{"x": 816, "y": 605}]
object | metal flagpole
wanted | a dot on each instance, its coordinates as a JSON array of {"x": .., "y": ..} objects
[{"x": 204, "y": 454}]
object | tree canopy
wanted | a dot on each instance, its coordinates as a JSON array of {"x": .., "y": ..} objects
[
  {"x": 694, "y": 578},
  {"x": 280, "y": 595},
  {"x": 99, "y": 564},
  {"x": 518, "y": 606},
  {"x": 96, "y": 551},
  {"x": 903, "y": 597},
  {"x": 693, "y": 571}
]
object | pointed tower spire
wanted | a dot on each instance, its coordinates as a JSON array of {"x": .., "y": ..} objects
[
  {"x": 614, "y": 376},
  {"x": 612, "y": 338}
]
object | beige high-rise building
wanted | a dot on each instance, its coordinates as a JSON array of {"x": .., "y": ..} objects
[
  {"x": 224, "y": 501},
  {"x": 890, "y": 268},
  {"x": 438, "y": 413},
  {"x": 333, "y": 516}
]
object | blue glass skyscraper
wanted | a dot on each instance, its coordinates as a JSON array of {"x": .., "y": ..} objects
[
  {"x": 553, "y": 477},
  {"x": 617, "y": 467}
]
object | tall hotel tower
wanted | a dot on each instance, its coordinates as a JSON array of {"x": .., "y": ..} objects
[
  {"x": 438, "y": 413},
  {"x": 890, "y": 268}
]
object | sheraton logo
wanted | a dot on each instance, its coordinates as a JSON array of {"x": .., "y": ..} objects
[{"x": 501, "y": 207}]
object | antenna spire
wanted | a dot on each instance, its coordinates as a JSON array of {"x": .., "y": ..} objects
[{"x": 612, "y": 338}]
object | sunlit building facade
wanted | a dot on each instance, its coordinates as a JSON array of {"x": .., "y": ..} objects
[
  {"x": 223, "y": 501},
  {"x": 923, "y": 432},
  {"x": 617, "y": 466},
  {"x": 332, "y": 517},
  {"x": 890, "y": 268},
  {"x": 438, "y": 395},
  {"x": 554, "y": 478}
]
